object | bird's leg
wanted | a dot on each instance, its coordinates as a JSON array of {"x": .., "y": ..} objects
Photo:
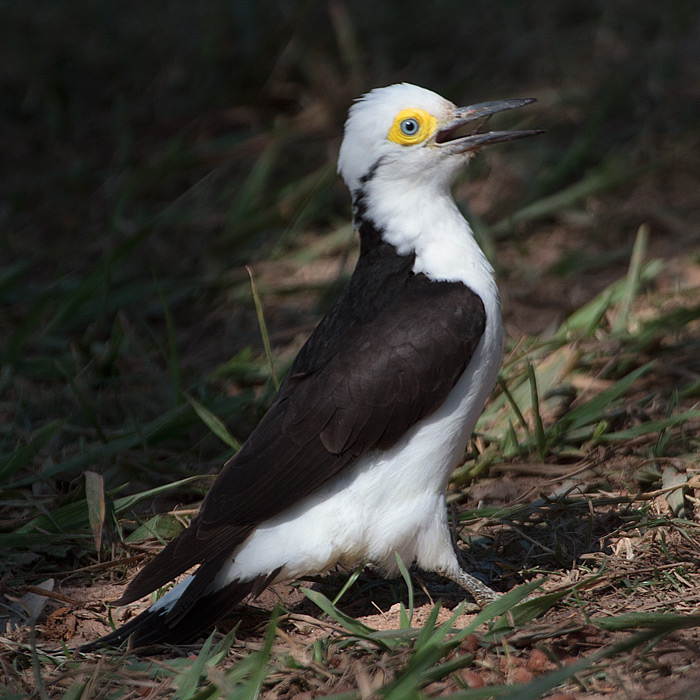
[{"x": 482, "y": 594}]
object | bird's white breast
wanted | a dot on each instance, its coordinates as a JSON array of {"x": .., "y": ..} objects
[{"x": 394, "y": 500}]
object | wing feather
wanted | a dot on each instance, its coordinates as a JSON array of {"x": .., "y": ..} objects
[{"x": 385, "y": 357}]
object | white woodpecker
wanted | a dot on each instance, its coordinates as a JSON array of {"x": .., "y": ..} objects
[{"x": 352, "y": 460}]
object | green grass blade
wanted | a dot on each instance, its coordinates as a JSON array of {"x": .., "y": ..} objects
[
  {"x": 172, "y": 422},
  {"x": 251, "y": 689},
  {"x": 537, "y": 688},
  {"x": 659, "y": 622},
  {"x": 263, "y": 328},
  {"x": 162, "y": 527},
  {"x": 440, "y": 671},
  {"x": 428, "y": 628},
  {"x": 586, "y": 320},
  {"x": 349, "y": 583},
  {"x": 74, "y": 516},
  {"x": 188, "y": 682},
  {"x": 74, "y": 692},
  {"x": 500, "y": 606},
  {"x": 593, "y": 410},
  {"x": 16, "y": 460},
  {"x": 540, "y": 439},
  {"x": 596, "y": 181},
  {"x": 522, "y": 613},
  {"x": 409, "y": 585},
  {"x": 349, "y": 623},
  {"x": 214, "y": 423},
  {"x": 632, "y": 281},
  {"x": 652, "y": 426},
  {"x": 515, "y": 408}
]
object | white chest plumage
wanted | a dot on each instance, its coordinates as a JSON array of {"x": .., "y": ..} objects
[{"x": 394, "y": 500}]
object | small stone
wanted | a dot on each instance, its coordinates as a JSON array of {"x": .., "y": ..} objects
[
  {"x": 539, "y": 662},
  {"x": 470, "y": 643},
  {"x": 472, "y": 678},
  {"x": 519, "y": 675}
]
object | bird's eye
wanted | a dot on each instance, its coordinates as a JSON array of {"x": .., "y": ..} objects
[{"x": 410, "y": 126}]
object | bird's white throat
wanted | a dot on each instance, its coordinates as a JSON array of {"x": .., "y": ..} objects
[{"x": 426, "y": 221}]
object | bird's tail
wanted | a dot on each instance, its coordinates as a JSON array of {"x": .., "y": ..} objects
[{"x": 171, "y": 622}]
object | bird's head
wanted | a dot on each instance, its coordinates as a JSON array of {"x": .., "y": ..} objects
[{"x": 407, "y": 135}]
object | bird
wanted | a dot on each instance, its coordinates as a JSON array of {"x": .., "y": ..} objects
[{"x": 351, "y": 462}]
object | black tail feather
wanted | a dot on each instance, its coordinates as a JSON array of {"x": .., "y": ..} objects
[
  {"x": 147, "y": 628},
  {"x": 176, "y": 627},
  {"x": 180, "y": 554}
]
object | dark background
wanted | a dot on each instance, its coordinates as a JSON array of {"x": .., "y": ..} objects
[{"x": 151, "y": 149}]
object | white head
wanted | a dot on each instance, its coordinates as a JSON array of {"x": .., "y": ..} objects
[{"x": 410, "y": 135}]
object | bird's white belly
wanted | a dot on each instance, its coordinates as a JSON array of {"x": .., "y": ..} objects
[{"x": 389, "y": 501}]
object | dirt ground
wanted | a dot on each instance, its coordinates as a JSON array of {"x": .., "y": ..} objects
[{"x": 563, "y": 635}]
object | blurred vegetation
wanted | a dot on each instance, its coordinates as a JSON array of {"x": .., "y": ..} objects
[{"x": 151, "y": 150}]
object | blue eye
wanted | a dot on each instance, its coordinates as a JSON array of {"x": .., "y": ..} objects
[{"x": 410, "y": 126}]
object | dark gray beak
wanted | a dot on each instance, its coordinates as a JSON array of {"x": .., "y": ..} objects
[{"x": 464, "y": 133}]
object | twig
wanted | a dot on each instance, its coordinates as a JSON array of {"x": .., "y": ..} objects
[{"x": 53, "y": 595}]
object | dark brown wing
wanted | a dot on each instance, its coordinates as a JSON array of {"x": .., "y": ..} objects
[
  {"x": 386, "y": 356},
  {"x": 391, "y": 372}
]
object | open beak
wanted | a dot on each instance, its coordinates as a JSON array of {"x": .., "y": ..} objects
[{"x": 464, "y": 133}]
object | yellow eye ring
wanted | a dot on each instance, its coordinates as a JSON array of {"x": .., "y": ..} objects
[{"x": 412, "y": 126}]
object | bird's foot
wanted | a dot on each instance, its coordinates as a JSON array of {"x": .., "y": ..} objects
[{"x": 482, "y": 594}]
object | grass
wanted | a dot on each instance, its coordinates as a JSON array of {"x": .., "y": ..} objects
[{"x": 151, "y": 153}]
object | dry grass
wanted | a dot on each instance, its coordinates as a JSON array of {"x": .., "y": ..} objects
[{"x": 150, "y": 153}]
